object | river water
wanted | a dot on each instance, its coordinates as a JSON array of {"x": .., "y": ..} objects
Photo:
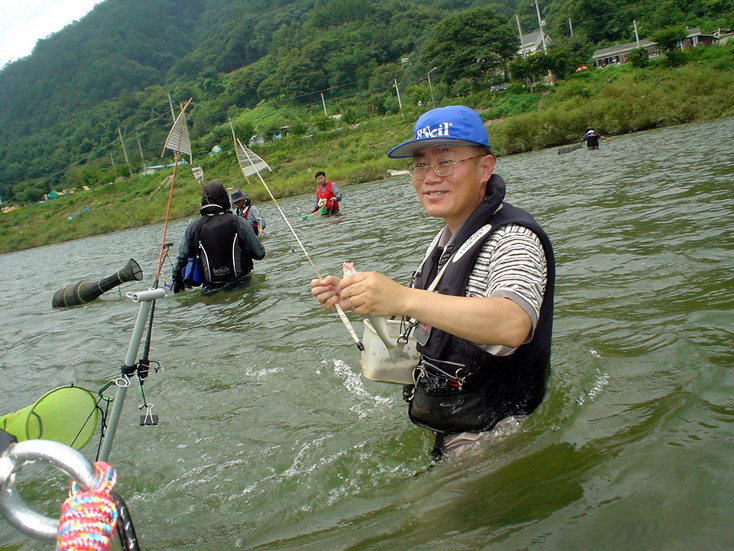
[{"x": 270, "y": 438}]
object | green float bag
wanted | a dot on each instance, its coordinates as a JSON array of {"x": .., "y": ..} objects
[{"x": 67, "y": 414}]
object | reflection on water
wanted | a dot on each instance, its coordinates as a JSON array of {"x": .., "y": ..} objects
[{"x": 269, "y": 437}]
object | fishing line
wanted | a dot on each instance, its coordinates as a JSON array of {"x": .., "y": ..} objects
[{"x": 338, "y": 308}]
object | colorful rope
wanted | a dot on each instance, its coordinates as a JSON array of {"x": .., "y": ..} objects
[{"x": 88, "y": 519}]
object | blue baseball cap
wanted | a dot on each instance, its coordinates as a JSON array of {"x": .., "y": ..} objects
[{"x": 452, "y": 125}]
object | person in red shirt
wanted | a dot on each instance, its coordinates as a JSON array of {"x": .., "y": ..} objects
[{"x": 328, "y": 194}]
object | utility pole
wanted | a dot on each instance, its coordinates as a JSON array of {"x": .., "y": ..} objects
[
  {"x": 519, "y": 30},
  {"x": 540, "y": 25},
  {"x": 542, "y": 38},
  {"x": 397, "y": 90},
  {"x": 170, "y": 104},
  {"x": 570, "y": 26},
  {"x": 433, "y": 102},
  {"x": 323, "y": 102},
  {"x": 637, "y": 36},
  {"x": 124, "y": 152},
  {"x": 140, "y": 148}
]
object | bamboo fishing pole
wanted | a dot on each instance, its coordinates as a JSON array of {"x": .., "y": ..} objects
[
  {"x": 342, "y": 316},
  {"x": 175, "y": 142}
]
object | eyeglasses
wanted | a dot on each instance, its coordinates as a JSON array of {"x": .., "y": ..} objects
[{"x": 443, "y": 168}]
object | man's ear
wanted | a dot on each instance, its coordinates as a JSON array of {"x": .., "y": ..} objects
[{"x": 487, "y": 167}]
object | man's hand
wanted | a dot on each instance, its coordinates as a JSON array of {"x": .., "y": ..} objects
[
  {"x": 326, "y": 292},
  {"x": 372, "y": 294},
  {"x": 178, "y": 282}
]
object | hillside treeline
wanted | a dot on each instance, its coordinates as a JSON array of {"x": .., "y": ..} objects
[
  {"x": 615, "y": 100},
  {"x": 118, "y": 71}
]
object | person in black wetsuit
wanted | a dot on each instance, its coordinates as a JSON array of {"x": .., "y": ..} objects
[{"x": 225, "y": 243}]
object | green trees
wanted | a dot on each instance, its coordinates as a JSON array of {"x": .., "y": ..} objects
[
  {"x": 638, "y": 57},
  {"x": 529, "y": 70},
  {"x": 471, "y": 44},
  {"x": 61, "y": 106},
  {"x": 668, "y": 39}
]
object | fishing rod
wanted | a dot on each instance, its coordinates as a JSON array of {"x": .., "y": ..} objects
[
  {"x": 178, "y": 141},
  {"x": 256, "y": 169}
]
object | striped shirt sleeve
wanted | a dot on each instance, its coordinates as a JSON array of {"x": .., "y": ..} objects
[{"x": 512, "y": 265}]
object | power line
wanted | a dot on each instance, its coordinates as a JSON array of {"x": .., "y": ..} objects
[{"x": 91, "y": 154}]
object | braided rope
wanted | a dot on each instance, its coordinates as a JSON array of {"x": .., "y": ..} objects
[{"x": 88, "y": 519}]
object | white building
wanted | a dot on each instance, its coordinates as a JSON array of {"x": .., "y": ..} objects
[{"x": 532, "y": 43}]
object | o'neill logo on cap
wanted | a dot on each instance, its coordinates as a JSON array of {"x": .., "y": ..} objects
[{"x": 442, "y": 130}]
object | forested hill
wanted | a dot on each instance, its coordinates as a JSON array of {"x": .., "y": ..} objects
[{"x": 115, "y": 68}]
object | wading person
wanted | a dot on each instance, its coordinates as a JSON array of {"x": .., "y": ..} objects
[
  {"x": 328, "y": 194},
  {"x": 482, "y": 297},
  {"x": 243, "y": 207},
  {"x": 592, "y": 138},
  {"x": 225, "y": 243}
]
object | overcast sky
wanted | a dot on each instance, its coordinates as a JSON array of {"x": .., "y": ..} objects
[{"x": 23, "y": 22}]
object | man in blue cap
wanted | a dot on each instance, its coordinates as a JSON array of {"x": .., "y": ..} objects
[{"x": 482, "y": 300}]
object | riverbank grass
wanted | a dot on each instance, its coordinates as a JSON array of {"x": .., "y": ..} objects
[{"x": 614, "y": 100}]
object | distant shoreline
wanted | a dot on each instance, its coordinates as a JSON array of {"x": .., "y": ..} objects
[{"x": 616, "y": 100}]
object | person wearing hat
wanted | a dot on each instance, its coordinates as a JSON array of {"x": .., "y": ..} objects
[
  {"x": 225, "y": 243},
  {"x": 244, "y": 207},
  {"x": 328, "y": 194},
  {"x": 481, "y": 301},
  {"x": 592, "y": 138}
]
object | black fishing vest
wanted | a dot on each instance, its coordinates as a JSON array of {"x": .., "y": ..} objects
[
  {"x": 222, "y": 257},
  {"x": 461, "y": 386}
]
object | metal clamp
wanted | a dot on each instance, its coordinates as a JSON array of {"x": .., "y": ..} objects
[{"x": 56, "y": 454}]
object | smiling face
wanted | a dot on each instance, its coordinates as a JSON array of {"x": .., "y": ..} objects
[{"x": 453, "y": 198}]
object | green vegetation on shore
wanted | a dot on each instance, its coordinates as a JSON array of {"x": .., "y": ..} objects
[{"x": 614, "y": 100}]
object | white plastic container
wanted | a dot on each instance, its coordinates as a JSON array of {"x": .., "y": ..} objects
[{"x": 377, "y": 365}]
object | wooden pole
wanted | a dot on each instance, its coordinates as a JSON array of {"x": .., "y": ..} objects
[
  {"x": 124, "y": 152},
  {"x": 140, "y": 148},
  {"x": 519, "y": 30},
  {"x": 540, "y": 25}
]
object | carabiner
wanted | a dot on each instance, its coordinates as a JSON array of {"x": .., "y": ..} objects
[{"x": 61, "y": 456}]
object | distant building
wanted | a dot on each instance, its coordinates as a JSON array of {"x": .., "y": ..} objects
[
  {"x": 697, "y": 38},
  {"x": 723, "y": 35},
  {"x": 618, "y": 53},
  {"x": 257, "y": 139},
  {"x": 532, "y": 43}
]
